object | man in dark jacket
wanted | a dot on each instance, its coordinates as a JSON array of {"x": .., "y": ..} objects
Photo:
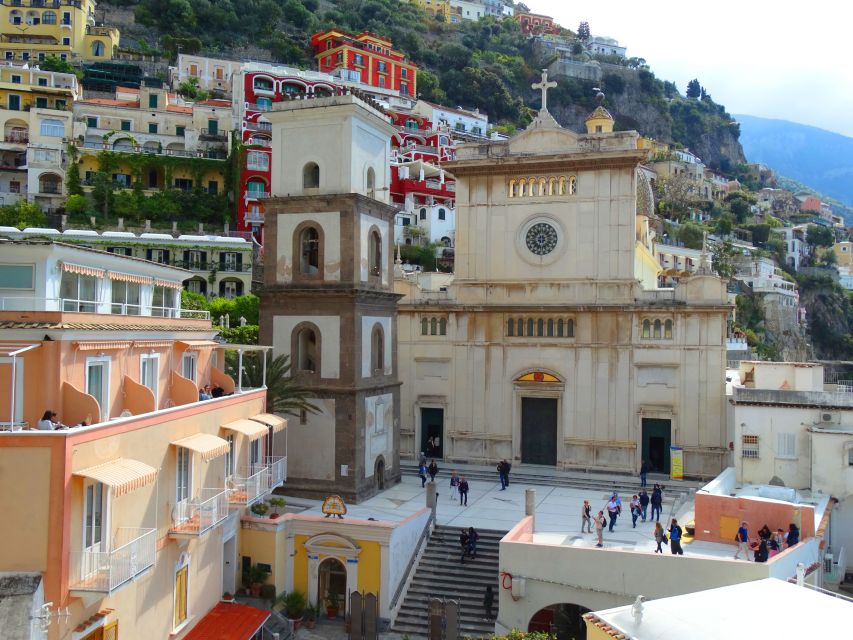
[
  {"x": 657, "y": 502},
  {"x": 644, "y": 503},
  {"x": 463, "y": 492},
  {"x": 503, "y": 473}
]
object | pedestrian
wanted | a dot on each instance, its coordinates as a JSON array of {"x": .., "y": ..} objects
[
  {"x": 432, "y": 469},
  {"x": 463, "y": 544},
  {"x": 503, "y": 472},
  {"x": 612, "y": 511},
  {"x": 675, "y": 538},
  {"x": 660, "y": 537},
  {"x": 762, "y": 553},
  {"x": 422, "y": 459},
  {"x": 586, "y": 517},
  {"x": 657, "y": 502},
  {"x": 422, "y": 474},
  {"x": 454, "y": 486},
  {"x": 463, "y": 492},
  {"x": 765, "y": 533},
  {"x": 793, "y": 535},
  {"x": 488, "y": 601},
  {"x": 635, "y": 511},
  {"x": 779, "y": 539},
  {"x": 473, "y": 536},
  {"x": 742, "y": 540},
  {"x": 644, "y": 503},
  {"x": 644, "y": 470},
  {"x": 600, "y": 523}
]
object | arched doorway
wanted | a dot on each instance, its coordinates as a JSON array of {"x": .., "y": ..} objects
[
  {"x": 379, "y": 473},
  {"x": 564, "y": 621},
  {"x": 332, "y": 579}
]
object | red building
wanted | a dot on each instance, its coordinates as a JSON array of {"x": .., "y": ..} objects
[
  {"x": 536, "y": 24},
  {"x": 365, "y": 58}
]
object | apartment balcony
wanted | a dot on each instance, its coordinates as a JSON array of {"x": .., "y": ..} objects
[
  {"x": 254, "y": 216},
  {"x": 194, "y": 518},
  {"x": 178, "y": 153},
  {"x": 252, "y": 106},
  {"x": 277, "y": 471},
  {"x": 107, "y": 571},
  {"x": 257, "y": 195},
  {"x": 74, "y": 305},
  {"x": 250, "y": 486},
  {"x": 212, "y": 135},
  {"x": 228, "y": 267},
  {"x": 17, "y": 138},
  {"x": 259, "y": 126}
]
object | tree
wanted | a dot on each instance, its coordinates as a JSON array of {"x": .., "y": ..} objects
[
  {"x": 828, "y": 258},
  {"x": 692, "y": 235},
  {"x": 676, "y": 196},
  {"x": 740, "y": 204},
  {"x": 723, "y": 259},
  {"x": 694, "y": 89},
  {"x": 190, "y": 90},
  {"x": 194, "y": 301},
  {"x": 284, "y": 394},
  {"x": 723, "y": 225},
  {"x": 819, "y": 236},
  {"x": 429, "y": 88},
  {"x": 22, "y": 214},
  {"x": 76, "y": 205},
  {"x": 583, "y": 32}
]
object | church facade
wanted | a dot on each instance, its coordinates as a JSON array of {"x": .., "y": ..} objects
[{"x": 551, "y": 344}]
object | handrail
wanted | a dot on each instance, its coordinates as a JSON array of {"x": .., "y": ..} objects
[{"x": 424, "y": 535}]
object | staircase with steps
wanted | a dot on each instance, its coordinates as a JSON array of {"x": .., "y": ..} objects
[{"x": 440, "y": 574}]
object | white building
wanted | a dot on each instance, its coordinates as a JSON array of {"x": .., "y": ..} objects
[
  {"x": 796, "y": 247},
  {"x": 462, "y": 122},
  {"x": 602, "y": 45},
  {"x": 437, "y": 223},
  {"x": 212, "y": 74},
  {"x": 466, "y": 10}
]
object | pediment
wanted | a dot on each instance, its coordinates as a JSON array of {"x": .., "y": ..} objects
[{"x": 544, "y": 141}]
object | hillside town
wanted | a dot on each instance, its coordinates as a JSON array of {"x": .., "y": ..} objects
[{"x": 296, "y": 353}]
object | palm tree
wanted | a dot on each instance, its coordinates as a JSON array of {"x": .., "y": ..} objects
[{"x": 284, "y": 395}]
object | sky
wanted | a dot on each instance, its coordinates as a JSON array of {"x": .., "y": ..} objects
[{"x": 783, "y": 60}]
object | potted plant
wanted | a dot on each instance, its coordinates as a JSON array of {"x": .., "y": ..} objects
[
  {"x": 276, "y": 504},
  {"x": 227, "y": 597},
  {"x": 268, "y": 592},
  {"x": 311, "y": 614},
  {"x": 295, "y": 603},
  {"x": 260, "y": 509},
  {"x": 256, "y": 576},
  {"x": 332, "y": 604}
]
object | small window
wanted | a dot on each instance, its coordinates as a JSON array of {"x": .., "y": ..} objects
[
  {"x": 550, "y": 331},
  {"x": 311, "y": 176},
  {"x": 309, "y": 243},
  {"x": 657, "y": 329},
  {"x": 530, "y": 332},
  {"x": 442, "y": 214},
  {"x": 570, "y": 328},
  {"x": 423, "y": 213},
  {"x": 540, "y": 327},
  {"x": 510, "y": 328},
  {"x": 424, "y": 326},
  {"x": 17, "y": 276},
  {"x": 371, "y": 183},
  {"x": 306, "y": 350},
  {"x": 786, "y": 445},
  {"x": 433, "y": 327},
  {"x": 179, "y": 130},
  {"x": 98, "y": 49},
  {"x": 520, "y": 327},
  {"x": 152, "y": 101},
  {"x": 647, "y": 329},
  {"x": 125, "y": 125},
  {"x": 152, "y": 127},
  {"x": 16, "y": 79},
  {"x": 667, "y": 329},
  {"x": 749, "y": 448},
  {"x": 560, "y": 328},
  {"x": 375, "y": 257},
  {"x": 377, "y": 350},
  {"x": 52, "y": 128}
]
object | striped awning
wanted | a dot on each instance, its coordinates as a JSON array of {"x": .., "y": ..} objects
[
  {"x": 168, "y": 283},
  {"x": 206, "y": 444},
  {"x": 129, "y": 277},
  {"x": 82, "y": 270},
  {"x": 152, "y": 344},
  {"x": 111, "y": 345},
  {"x": 122, "y": 475},
  {"x": 195, "y": 345},
  {"x": 249, "y": 428},
  {"x": 276, "y": 423}
]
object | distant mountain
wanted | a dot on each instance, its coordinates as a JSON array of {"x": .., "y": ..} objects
[{"x": 821, "y": 159}]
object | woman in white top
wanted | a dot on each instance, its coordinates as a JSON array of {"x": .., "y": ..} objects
[{"x": 48, "y": 421}]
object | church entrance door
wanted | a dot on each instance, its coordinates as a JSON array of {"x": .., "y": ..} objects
[
  {"x": 539, "y": 431},
  {"x": 432, "y": 432},
  {"x": 657, "y": 438}
]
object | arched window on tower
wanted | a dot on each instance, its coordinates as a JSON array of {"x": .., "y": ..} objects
[
  {"x": 562, "y": 186},
  {"x": 542, "y": 191},
  {"x": 442, "y": 326},
  {"x": 424, "y": 326},
  {"x": 375, "y": 253},
  {"x": 311, "y": 176},
  {"x": 570, "y": 328},
  {"x": 309, "y": 248},
  {"x": 647, "y": 329},
  {"x": 371, "y": 183},
  {"x": 522, "y": 188},
  {"x": 560, "y": 328},
  {"x": 667, "y": 329},
  {"x": 552, "y": 186},
  {"x": 306, "y": 351},
  {"x": 550, "y": 332},
  {"x": 377, "y": 349},
  {"x": 510, "y": 328},
  {"x": 573, "y": 185},
  {"x": 512, "y": 188},
  {"x": 433, "y": 327},
  {"x": 657, "y": 328}
]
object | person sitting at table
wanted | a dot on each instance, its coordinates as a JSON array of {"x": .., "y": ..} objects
[
  {"x": 49, "y": 421},
  {"x": 204, "y": 393}
]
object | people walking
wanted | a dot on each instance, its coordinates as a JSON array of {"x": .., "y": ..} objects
[
  {"x": 613, "y": 509},
  {"x": 600, "y": 523},
  {"x": 503, "y": 472},
  {"x": 488, "y": 601},
  {"x": 586, "y": 517},
  {"x": 644, "y": 470},
  {"x": 635, "y": 511},
  {"x": 675, "y": 538},
  {"x": 742, "y": 539},
  {"x": 657, "y": 502},
  {"x": 463, "y": 544},
  {"x": 463, "y": 491},
  {"x": 644, "y": 503},
  {"x": 660, "y": 537},
  {"x": 473, "y": 536},
  {"x": 422, "y": 474},
  {"x": 432, "y": 469},
  {"x": 454, "y": 486},
  {"x": 422, "y": 459}
]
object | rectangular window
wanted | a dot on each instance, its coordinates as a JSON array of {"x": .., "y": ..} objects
[
  {"x": 41, "y": 103},
  {"x": 188, "y": 368},
  {"x": 382, "y": 67},
  {"x": 92, "y": 122},
  {"x": 213, "y": 187},
  {"x": 52, "y": 128},
  {"x": 10, "y": 55},
  {"x": 14, "y": 103},
  {"x": 258, "y": 161},
  {"x": 125, "y": 298},
  {"x": 149, "y": 374},
  {"x": 152, "y": 101},
  {"x": 93, "y": 520},
  {"x": 358, "y": 59},
  {"x": 60, "y": 104},
  {"x": 78, "y": 292},
  {"x": 179, "y": 130},
  {"x": 98, "y": 384},
  {"x": 120, "y": 251},
  {"x": 163, "y": 302},
  {"x": 63, "y": 56},
  {"x": 160, "y": 256},
  {"x": 749, "y": 447},
  {"x": 229, "y": 457},
  {"x": 182, "y": 474},
  {"x": 184, "y": 184},
  {"x": 213, "y": 127},
  {"x": 125, "y": 125},
  {"x": 404, "y": 88},
  {"x": 229, "y": 260},
  {"x": 404, "y": 73},
  {"x": 17, "y": 276},
  {"x": 16, "y": 79},
  {"x": 381, "y": 82},
  {"x": 66, "y": 17},
  {"x": 152, "y": 127},
  {"x": 786, "y": 445},
  {"x": 66, "y": 42}
]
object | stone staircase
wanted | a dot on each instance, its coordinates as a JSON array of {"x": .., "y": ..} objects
[{"x": 440, "y": 574}]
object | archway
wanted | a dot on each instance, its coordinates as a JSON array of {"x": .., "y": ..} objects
[
  {"x": 379, "y": 473},
  {"x": 332, "y": 579},
  {"x": 563, "y": 621}
]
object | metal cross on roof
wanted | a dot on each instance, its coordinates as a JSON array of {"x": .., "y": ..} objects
[{"x": 544, "y": 86}]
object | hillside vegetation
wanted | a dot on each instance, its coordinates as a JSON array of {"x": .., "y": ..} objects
[{"x": 487, "y": 64}]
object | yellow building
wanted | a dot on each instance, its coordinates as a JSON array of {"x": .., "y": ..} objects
[
  {"x": 435, "y": 7},
  {"x": 36, "y": 119},
  {"x": 844, "y": 253},
  {"x": 31, "y": 30},
  {"x": 142, "y": 126}
]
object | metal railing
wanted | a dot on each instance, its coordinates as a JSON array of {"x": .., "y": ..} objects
[
  {"x": 277, "y": 471},
  {"x": 248, "y": 487},
  {"x": 259, "y": 126},
  {"x": 260, "y": 142},
  {"x": 180, "y": 153},
  {"x": 253, "y": 106},
  {"x": 257, "y": 195},
  {"x": 21, "y": 303},
  {"x": 17, "y": 138},
  {"x": 197, "y": 516},
  {"x": 106, "y": 571}
]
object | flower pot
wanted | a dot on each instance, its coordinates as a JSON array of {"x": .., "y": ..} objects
[
  {"x": 297, "y": 622},
  {"x": 255, "y": 589},
  {"x": 310, "y": 623},
  {"x": 332, "y": 612}
]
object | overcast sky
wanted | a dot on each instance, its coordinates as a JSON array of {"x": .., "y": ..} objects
[{"x": 780, "y": 59}]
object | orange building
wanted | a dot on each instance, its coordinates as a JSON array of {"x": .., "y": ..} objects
[
  {"x": 536, "y": 24},
  {"x": 131, "y": 513}
]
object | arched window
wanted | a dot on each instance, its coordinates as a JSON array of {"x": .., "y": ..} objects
[
  {"x": 15, "y": 17},
  {"x": 522, "y": 188},
  {"x": 98, "y": 49},
  {"x": 309, "y": 247},
  {"x": 306, "y": 350},
  {"x": 311, "y": 176},
  {"x": 512, "y": 188},
  {"x": 423, "y": 213},
  {"x": 433, "y": 327},
  {"x": 371, "y": 183},
  {"x": 375, "y": 253},
  {"x": 540, "y": 327},
  {"x": 647, "y": 329},
  {"x": 573, "y": 185},
  {"x": 510, "y": 327},
  {"x": 562, "y": 186},
  {"x": 657, "y": 327},
  {"x": 48, "y": 17},
  {"x": 533, "y": 187},
  {"x": 552, "y": 185},
  {"x": 442, "y": 326},
  {"x": 377, "y": 349},
  {"x": 520, "y": 331},
  {"x": 667, "y": 329},
  {"x": 570, "y": 328},
  {"x": 542, "y": 186},
  {"x": 530, "y": 327},
  {"x": 560, "y": 328},
  {"x": 424, "y": 326},
  {"x": 550, "y": 333}
]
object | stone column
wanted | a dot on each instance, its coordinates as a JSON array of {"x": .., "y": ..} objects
[
  {"x": 530, "y": 505},
  {"x": 431, "y": 497}
]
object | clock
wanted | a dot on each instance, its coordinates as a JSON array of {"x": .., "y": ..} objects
[{"x": 541, "y": 238}]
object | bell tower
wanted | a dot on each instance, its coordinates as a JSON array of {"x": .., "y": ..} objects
[{"x": 328, "y": 299}]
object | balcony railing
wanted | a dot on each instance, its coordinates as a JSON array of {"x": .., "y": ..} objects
[
  {"x": 257, "y": 195},
  {"x": 209, "y": 266},
  {"x": 277, "y": 472},
  {"x": 212, "y": 134},
  {"x": 249, "y": 487},
  {"x": 252, "y": 106},
  {"x": 180, "y": 153},
  {"x": 259, "y": 126},
  {"x": 23, "y": 303},
  {"x": 106, "y": 571},
  {"x": 198, "y": 516},
  {"x": 17, "y": 138},
  {"x": 260, "y": 142},
  {"x": 254, "y": 216}
]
